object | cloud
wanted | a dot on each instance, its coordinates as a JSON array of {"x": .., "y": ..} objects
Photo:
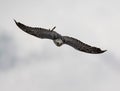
[
  {"x": 111, "y": 60},
  {"x": 8, "y": 50}
]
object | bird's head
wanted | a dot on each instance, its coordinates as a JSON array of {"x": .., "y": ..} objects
[{"x": 58, "y": 42}]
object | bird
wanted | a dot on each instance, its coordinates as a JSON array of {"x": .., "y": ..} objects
[{"x": 59, "y": 39}]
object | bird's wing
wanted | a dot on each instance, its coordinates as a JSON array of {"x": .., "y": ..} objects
[
  {"x": 81, "y": 46},
  {"x": 39, "y": 32}
]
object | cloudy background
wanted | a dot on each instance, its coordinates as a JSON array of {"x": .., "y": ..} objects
[{"x": 30, "y": 64}]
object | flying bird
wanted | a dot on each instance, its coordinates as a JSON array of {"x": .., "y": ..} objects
[{"x": 58, "y": 39}]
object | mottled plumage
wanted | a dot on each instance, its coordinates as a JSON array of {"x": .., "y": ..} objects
[{"x": 59, "y": 39}]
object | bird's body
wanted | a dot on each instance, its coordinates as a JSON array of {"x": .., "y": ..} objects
[{"x": 58, "y": 39}]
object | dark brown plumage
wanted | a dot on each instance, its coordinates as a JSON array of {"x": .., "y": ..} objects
[{"x": 59, "y": 39}]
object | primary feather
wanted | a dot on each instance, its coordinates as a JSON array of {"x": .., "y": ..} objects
[
  {"x": 59, "y": 39},
  {"x": 39, "y": 32},
  {"x": 77, "y": 44}
]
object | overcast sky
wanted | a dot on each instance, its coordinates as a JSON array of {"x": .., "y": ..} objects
[{"x": 31, "y": 64}]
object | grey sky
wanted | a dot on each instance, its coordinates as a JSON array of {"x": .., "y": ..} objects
[{"x": 30, "y": 64}]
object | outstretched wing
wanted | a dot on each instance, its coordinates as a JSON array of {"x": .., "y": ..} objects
[
  {"x": 81, "y": 46},
  {"x": 39, "y": 32}
]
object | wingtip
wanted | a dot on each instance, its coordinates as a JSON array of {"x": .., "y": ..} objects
[
  {"x": 15, "y": 21},
  {"x": 18, "y": 24},
  {"x": 104, "y": 51},
  {"x": 98, "y": 51}
]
